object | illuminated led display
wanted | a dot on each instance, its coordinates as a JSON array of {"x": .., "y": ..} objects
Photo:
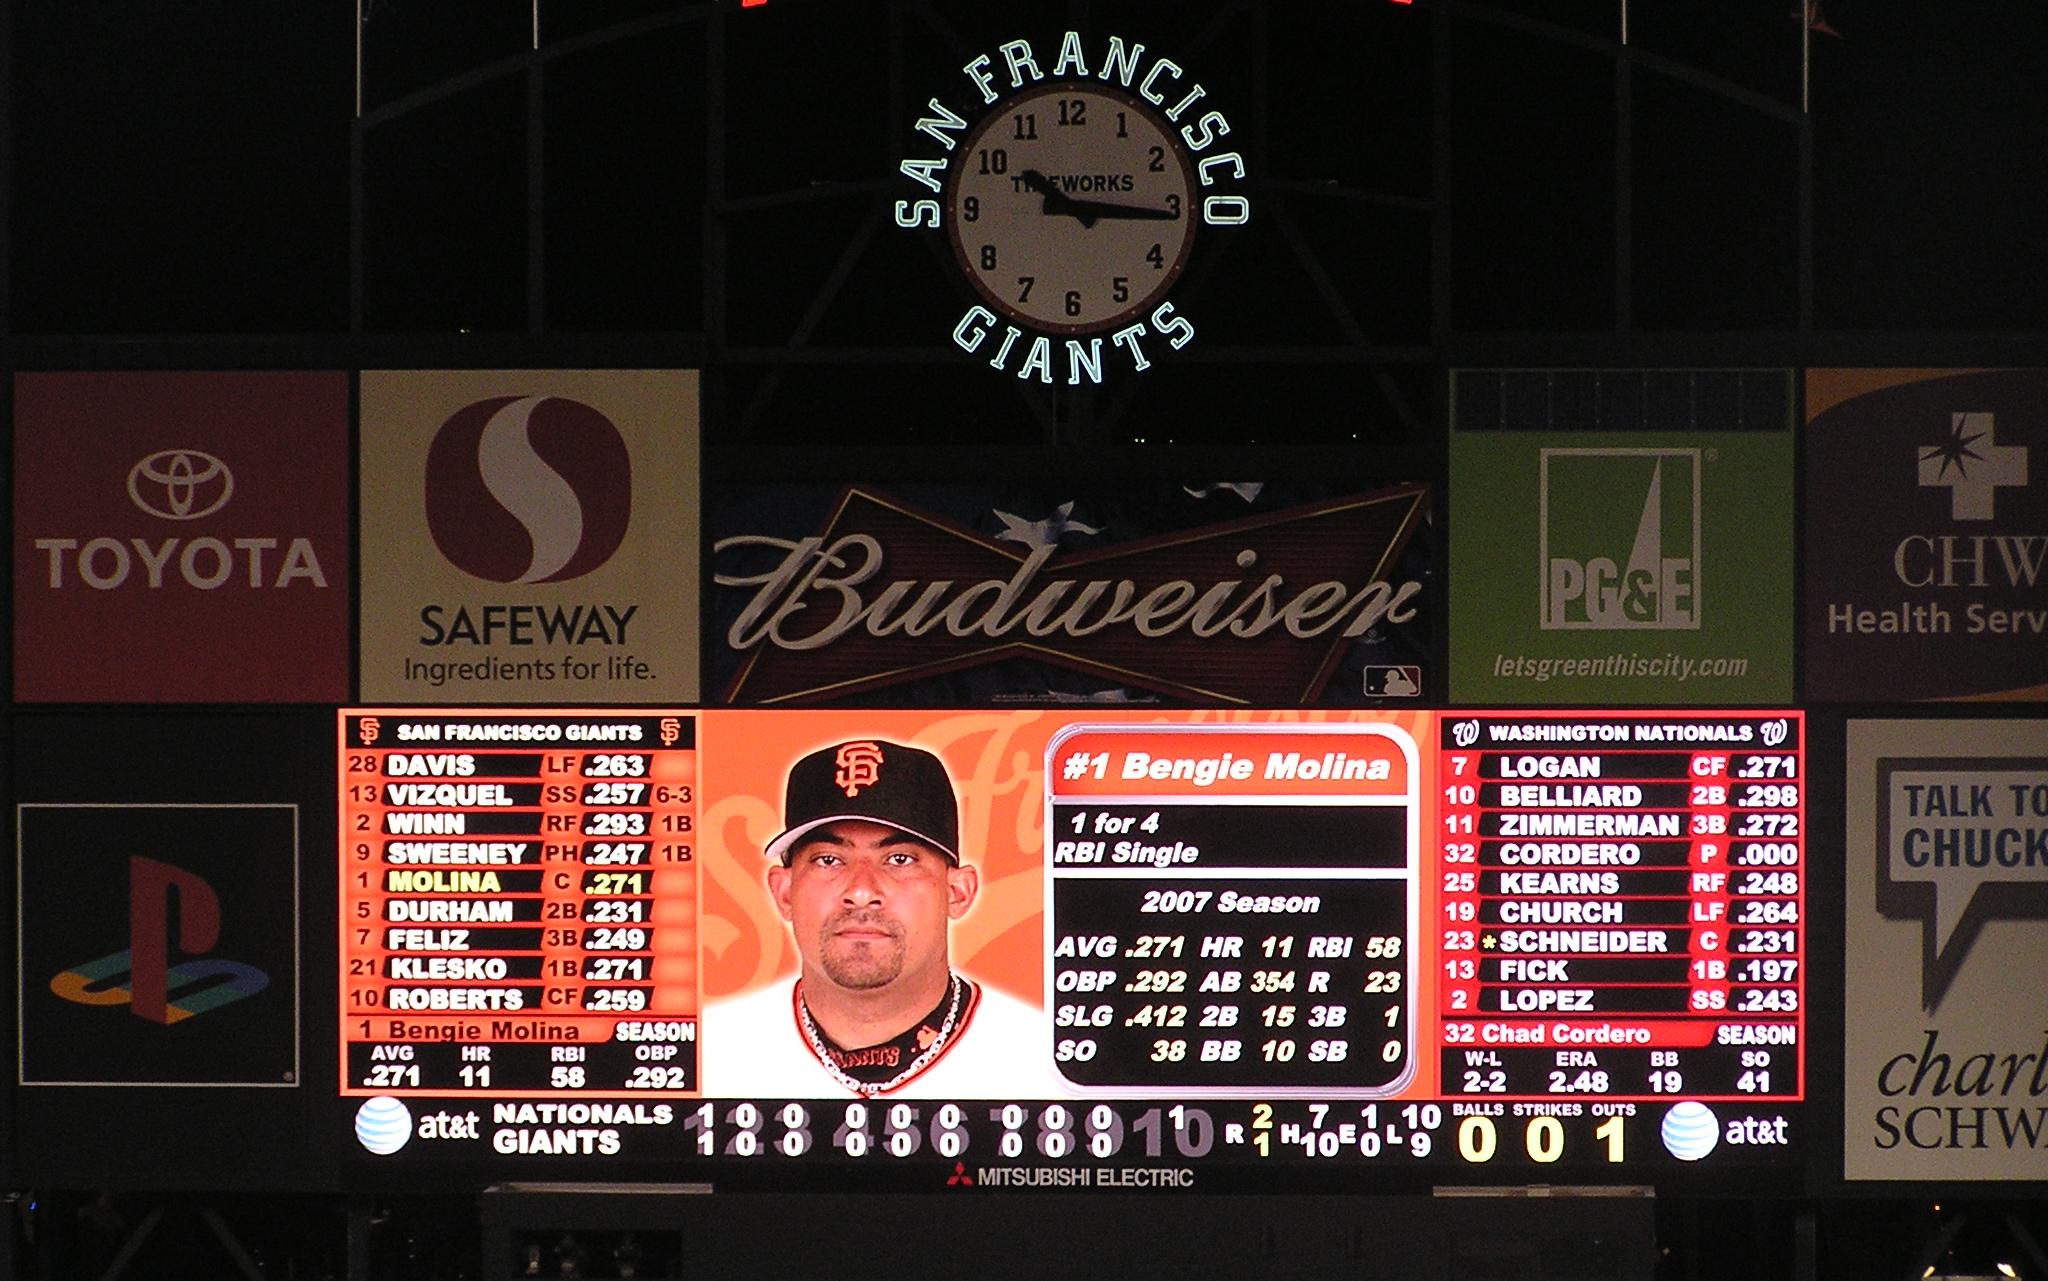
[{"x": 1114, "y": 948}]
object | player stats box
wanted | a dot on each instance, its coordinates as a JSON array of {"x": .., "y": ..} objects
[
  {"x": 1224, "y": 943},
  {"x": 1171, "y": 847},
  {"x": 515, "y": 885}
]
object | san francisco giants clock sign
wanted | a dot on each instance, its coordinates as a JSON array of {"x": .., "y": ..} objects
[{"x": 1071, "y": 196}]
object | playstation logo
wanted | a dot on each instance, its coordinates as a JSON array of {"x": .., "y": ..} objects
[{"x": 154, "y": 988}]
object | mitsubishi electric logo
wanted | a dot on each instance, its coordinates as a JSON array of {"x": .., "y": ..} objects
[
  {"x": 1973, "y": 466},
  {"x": 1619, "y": 531}
]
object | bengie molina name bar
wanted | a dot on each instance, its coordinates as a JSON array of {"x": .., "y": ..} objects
[{"x": 1229, "y": 767}]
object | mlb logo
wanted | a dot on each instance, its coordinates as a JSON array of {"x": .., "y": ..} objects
[
  {"x": 1620, "y": 536},
  {"x": 1404, "y": 681}
]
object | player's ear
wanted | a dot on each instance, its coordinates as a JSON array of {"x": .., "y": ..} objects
[
  {"x": 962, "y": 884},
  {"x": 778, "y": 888}
]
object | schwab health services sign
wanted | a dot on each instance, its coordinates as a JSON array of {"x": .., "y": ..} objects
[
  {"x": 529, "y": 535},
  {"x": 1926, "y": 534},
  {"x": 181, "y": 537},
  {"x": 1646, "y": 565}
]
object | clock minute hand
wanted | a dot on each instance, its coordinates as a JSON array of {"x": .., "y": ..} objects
[{"x": 1086, "y": 212}]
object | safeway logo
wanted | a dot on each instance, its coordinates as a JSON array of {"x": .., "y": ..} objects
[
  {"x": 528, "y": 489},
  {"x": 180, "y": 484}
]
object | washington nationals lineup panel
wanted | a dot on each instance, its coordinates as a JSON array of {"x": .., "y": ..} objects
[{"x": 1073, "y": 948}]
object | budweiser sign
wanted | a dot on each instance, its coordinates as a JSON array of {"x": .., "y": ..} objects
[{"x": 1259, "y": 610}]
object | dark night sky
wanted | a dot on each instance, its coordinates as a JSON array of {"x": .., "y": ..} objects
[{"x": 183, "y": 167}]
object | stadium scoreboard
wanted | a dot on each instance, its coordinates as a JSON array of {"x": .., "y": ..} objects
[{"x": 1501, "y": 943}]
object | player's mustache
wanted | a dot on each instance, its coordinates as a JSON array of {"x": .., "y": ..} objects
[{"x": 862, "y": 918}]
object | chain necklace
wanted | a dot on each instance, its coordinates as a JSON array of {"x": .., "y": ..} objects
[{"x": 822, "y": 1050}]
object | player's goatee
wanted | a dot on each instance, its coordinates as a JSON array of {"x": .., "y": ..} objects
[{"x": 861, "y": 963}]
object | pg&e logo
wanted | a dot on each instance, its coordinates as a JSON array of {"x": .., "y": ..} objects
[
  {"x": 1620, "y": 536},
  {"x": 169, "y": 909}
]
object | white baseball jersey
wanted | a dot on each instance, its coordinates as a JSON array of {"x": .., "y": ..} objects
[{"x": 752, "y": 1047}]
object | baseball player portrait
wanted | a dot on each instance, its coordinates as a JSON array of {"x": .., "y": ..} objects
[{"x": 868, "y": 875}]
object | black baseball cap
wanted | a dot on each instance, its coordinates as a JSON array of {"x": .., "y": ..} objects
[{"x": 906, "y": 788}]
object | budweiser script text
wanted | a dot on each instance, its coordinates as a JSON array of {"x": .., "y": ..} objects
[{"x": 813, "y": 597}]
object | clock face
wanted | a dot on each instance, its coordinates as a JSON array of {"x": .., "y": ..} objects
[{"x": 1071, "y": 207}]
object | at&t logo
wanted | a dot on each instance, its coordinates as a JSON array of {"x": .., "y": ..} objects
[
  {"x": 528, "y": 489},
  {"x": 155, "y": 989},
  {"x": 1690, "y": 1130}
]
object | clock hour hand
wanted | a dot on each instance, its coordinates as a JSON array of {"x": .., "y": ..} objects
[
  {"x": 1056, "y": 201},
  {"x": 1087, "y": 212}
]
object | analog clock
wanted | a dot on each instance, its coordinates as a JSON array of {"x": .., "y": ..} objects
[{"x": 1071, "y": 207}]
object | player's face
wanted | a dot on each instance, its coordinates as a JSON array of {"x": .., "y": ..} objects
[{"x": 870, "y": 904}]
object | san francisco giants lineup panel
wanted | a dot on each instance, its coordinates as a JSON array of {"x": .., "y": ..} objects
[{"x": 1063, "y": 949}]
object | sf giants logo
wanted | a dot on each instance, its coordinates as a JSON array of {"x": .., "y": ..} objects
[
  {"x": 859, "y": 765},
  {"x": 156, "y": 989}
]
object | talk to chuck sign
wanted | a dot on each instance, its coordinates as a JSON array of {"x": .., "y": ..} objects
[{"x": 1947, "y": 1056}]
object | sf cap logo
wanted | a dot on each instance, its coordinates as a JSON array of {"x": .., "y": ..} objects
[{"x": 857, "y": 765}]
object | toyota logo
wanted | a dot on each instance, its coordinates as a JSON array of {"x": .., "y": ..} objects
[{"x": 180, "y": 484}]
